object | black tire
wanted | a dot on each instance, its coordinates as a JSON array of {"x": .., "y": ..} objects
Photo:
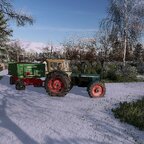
[
  {"x": 20, "y": 85},
  {"x": 12, "y": 80},
  {"x": 96, "y": 90},
  {"x": 51, "y": 73},
  {"x": 61, "y": 88}
]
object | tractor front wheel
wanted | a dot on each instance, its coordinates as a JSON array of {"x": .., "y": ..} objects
[{"x": 96, "y": 90}]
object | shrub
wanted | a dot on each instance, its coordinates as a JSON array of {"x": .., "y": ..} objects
[
  {"x": 120, "y": 73},
  {"x": 140, "y": 68},
  {"x": 111, "y": 73},
  {"x": 98, "y": 68},
  {"x": 132, "y": 113},
  {"x": 128, "y": 73}
]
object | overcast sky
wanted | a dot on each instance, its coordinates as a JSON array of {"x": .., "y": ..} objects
[{"x": 57, "y": 20}]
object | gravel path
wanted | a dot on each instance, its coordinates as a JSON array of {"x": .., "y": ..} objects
[{"x": 32, "y": 117}]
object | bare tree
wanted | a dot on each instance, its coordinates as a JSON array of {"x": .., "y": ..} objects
[
  {"x": 124, "y": 23},
  {"x": 47, "y": 51},
  {"x": 80, "y": 49},
  {"x": 15, "y": 51},
  {"x": 71, "y": 49}
]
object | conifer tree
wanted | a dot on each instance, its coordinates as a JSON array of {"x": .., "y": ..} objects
[{"x": 5, "y": 33}]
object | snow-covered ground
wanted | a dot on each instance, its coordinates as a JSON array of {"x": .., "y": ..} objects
[{"x": 32, "y": 117}]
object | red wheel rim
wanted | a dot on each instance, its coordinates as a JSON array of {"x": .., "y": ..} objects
[
  {"x": 55, "y": 85},
  {"x": 97, "y": 90}
]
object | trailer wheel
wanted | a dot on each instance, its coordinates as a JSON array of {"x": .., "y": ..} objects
[
  {"x": 96, "y": 90},
  {"x": 12, "y": 80},
  {"x": 20, "y": 85},
  {"x": 57, "y": 84}
]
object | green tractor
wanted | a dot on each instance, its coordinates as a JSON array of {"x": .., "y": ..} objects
[{"x": 60, "y": 76}]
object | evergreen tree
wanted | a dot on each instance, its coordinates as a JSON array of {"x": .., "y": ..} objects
[
  {"x": 138, "y": 52},
  {"x": 7, "y": 11},
  {"x": 5, "y": 33}
]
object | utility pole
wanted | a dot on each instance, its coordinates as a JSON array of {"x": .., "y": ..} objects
[{"x": 51, "y": 49}]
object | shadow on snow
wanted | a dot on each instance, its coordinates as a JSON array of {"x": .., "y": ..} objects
[{"x": 8, "y": 124}]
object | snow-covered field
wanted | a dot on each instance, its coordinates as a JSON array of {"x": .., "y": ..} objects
[{"x": 32, "y": 117}]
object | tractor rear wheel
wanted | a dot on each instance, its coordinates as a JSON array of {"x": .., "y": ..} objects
[
  {"x": 20, "y": 85},
  {"x": 57, "y": 84},
  {"x": 96, "y": 90}
]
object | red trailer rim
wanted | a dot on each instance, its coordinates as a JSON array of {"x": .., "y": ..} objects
[
  {"x": 97, "y": 90},
  {"x": 55, "y": 85}
]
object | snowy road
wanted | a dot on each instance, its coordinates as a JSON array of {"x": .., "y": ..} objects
[{"x": 32, "y": 117}]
